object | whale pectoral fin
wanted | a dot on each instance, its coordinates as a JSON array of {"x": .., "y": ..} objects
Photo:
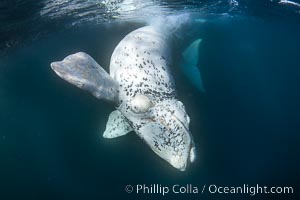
[
  {"x": 189, "y": 64},
  {"x": 83, "y": 71},
  {"x": 116, "y": 126}
]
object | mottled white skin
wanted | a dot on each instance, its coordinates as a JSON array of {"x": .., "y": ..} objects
[
  {"x": 141, "y": 60},
  {"x": 147, "y": 98},
  {"x": 142, "y": 88}
]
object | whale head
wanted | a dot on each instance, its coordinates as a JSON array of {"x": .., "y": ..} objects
[{"x": 164, "y": 126}]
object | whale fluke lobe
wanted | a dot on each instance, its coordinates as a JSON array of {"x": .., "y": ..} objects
[
  {"x": 189, "y": 64},
  {"x": 83, "y": 71}
]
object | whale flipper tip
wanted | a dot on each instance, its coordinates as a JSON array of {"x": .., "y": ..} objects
[
  {"x": 83, "y": 71},
  {"x": 116, "y": 126}
]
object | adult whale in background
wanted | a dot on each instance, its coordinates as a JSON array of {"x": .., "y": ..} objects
[{"x": 141, "y": 87}]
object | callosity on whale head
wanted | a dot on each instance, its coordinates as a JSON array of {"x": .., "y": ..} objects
[{"x": 164, "y": 126}]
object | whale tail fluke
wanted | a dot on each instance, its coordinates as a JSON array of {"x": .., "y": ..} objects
[
  {"x": 83, "y": 71},
  {"x": 189, "y": 64}
]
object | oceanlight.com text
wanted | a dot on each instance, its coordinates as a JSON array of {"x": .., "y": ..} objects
[{"x": 212, "y": 189}]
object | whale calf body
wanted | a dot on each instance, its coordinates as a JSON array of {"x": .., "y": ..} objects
[{"x": 141, "y": 87}]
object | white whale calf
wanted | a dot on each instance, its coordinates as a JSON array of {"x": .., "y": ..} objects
[{"x": 143, "y": 91}]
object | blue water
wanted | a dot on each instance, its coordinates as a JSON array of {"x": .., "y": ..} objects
[{"x": 246, "y": 126}]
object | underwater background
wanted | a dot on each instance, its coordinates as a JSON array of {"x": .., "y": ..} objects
[{"x": 245, "y": 126}]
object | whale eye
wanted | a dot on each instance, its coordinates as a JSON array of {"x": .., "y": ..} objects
[{"x": 140, "y": 104}]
